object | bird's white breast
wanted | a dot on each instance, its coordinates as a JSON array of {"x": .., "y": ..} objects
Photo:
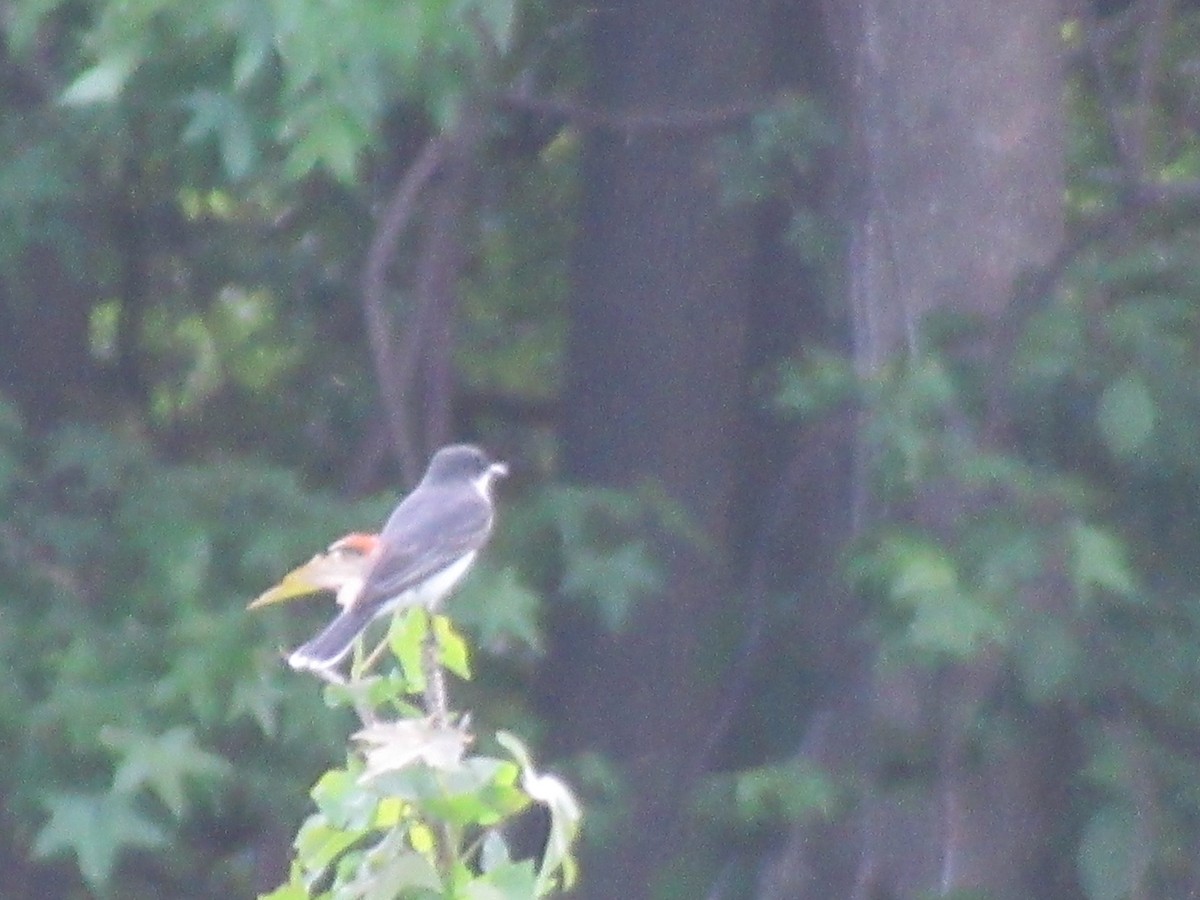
[{"x": 437, "y": 586}]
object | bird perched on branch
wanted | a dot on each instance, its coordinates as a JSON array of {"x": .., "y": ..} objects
[{"x": 425, "y": 548}]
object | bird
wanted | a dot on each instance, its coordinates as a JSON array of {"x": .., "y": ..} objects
[{"x": 423, "y": 550}]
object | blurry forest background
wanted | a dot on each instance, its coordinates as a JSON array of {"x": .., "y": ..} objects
[{"x": 847, "y": 356}]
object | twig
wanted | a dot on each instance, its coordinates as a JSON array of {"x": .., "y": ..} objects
[
  {"x": 373, "y": 657},
  {"x": 436, "y": 705},
  {"x": 438, "y": 710}
]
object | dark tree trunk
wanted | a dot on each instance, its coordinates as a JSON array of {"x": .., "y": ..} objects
[
  {"x": 655, "y": 392},
  {"x": 45, "y": 362}
]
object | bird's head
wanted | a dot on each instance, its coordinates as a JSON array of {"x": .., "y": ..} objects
[{"x": 465, "y": 461}]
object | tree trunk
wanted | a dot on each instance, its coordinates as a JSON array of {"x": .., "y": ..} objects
[
  {"x": 958, "y": 174},
  {"x": 45, "y": 361},
  {"x": 958, "y": 122},
  {"x": 655, "y": 392}
]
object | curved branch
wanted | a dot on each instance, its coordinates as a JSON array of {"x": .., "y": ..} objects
[
  {"x": 442, "y": 260},
  {"x": 392, "y": 371}
]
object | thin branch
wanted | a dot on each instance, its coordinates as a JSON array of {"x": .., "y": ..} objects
[
  {"x": 716, "y": 118},
  {"x": 388, "y": 367},
  {"x": 428, "y": 350},
  {"x": 437, "y": 705}
]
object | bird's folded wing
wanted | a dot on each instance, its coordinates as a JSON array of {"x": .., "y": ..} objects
[{"x": 425, "y": 535}]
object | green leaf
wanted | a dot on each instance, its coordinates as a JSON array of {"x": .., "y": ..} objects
[
  {"x": 507, "y": 881},
  {"x": 1098, "y": 560},
  {"x": 1108, "y": 852},
  {"x": 923, "y": 571},
  {"x": 792, "y": 791},
  {"x": 255, "y": 46},
  {"x": 162, "y": 763},
  {"x": 342, "y": 801},
  {"x": 603, "y": 559},
  {"x": 259, "y": 696},
  {"x": 957, "y": 624},
  {"x": 1051, "y": 347},
  {"x": 1126, "y": 415},
  {"x": 815, "y": 384},
  {"x": 289, "y": 891},
  {"x": 480, "y": 791},
  {"x": 452, "y": 648},
  {"x": 1048, "y": 657},
  {"x": 617, "y": 579},
  {"x": 95, "y": 828},
  {"x": 223, "y": 117},
  {"x": 390, "y": 871},
  {"x": 944, "y": 616},
  {"x": 319, "y": 844},
  {"x": 406, "y": 638},
  {"x": 102, "y": 83},
  {"x": 329, "y": 138},
  {"x": 182, "y": 559}
]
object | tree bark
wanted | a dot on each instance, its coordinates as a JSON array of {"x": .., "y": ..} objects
[
  {"x": 958, "y": 177},
  {"x": 45, "y": 360},
  {"x": 655, "y": 392},
  {"x": 958, "y": 124}
]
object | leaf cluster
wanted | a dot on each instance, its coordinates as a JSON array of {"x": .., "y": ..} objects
[{"x": 415, "y": 813}]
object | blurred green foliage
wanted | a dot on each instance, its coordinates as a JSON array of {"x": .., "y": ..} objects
[
  {"x": 138, "y": 696},
  {"x": 196, "y": 180},
  {"x": 201, "y": 177},
  {"x": 419, "y": 813}
]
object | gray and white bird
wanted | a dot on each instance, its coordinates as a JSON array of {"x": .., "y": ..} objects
[{"x": 425, "y": 548}]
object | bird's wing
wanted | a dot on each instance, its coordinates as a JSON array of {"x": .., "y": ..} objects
[{"x": 423, "y": 536}]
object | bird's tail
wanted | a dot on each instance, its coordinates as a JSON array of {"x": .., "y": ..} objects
[{"x": 329, "y": 647}]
